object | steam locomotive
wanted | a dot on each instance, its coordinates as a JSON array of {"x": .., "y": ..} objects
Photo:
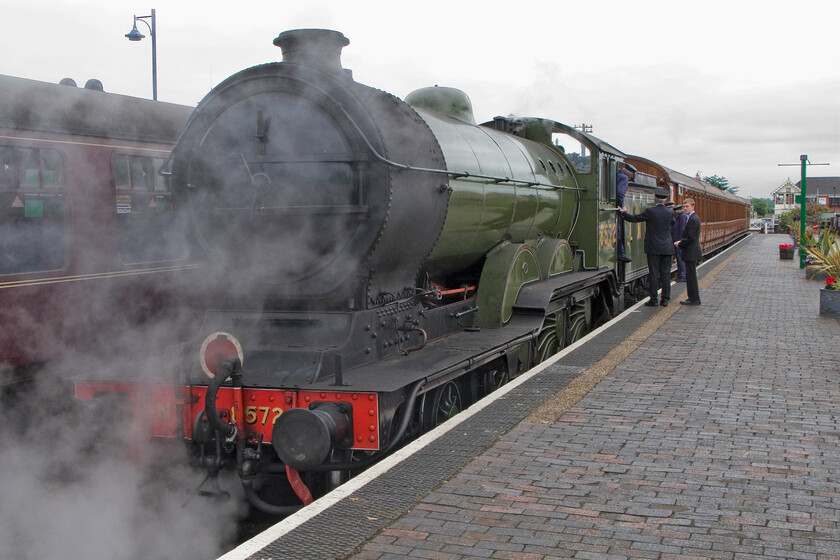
[{"x": 369, "y": 267}]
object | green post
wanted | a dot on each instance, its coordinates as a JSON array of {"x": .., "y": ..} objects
[{"x": 803, "y": 201}]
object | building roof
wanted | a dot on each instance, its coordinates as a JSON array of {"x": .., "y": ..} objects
[
  {"x": 821, "y": 185},
  {"x": 784, "y": 187},
  {"x": 695, "y": 183}
]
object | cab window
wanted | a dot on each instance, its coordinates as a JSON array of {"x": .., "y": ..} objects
[{"x": 577, "y": 153}]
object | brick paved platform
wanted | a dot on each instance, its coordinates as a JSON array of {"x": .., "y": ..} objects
[{"x": 702, "y": 432}]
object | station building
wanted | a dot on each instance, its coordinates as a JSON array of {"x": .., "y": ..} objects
[{"x": 824, "y": 191}]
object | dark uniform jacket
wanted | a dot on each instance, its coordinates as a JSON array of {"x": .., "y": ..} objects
[
  {"x": 678, "y": 227},
  {"x": 659, "y": 220},
  {"x": 690, "y": 242},
  {"x": 621, "y": 184}
]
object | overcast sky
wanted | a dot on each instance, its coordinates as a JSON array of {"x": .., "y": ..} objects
[{"x": 728, "y": 88}]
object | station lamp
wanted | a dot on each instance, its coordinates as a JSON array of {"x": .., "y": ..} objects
[{"x": 135, "y": 35}]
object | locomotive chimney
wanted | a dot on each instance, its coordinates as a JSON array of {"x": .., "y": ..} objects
[{"x": 319, "y": 48}]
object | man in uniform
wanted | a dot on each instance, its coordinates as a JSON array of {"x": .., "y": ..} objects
[
  {"x": 623, "y": 178},
  {"x": 659, "y": 247}
]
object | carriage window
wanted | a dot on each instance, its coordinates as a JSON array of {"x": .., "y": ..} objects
[
  {"x": 8, "y": 168},
  {"x": 134, "y": 172},
  {"x": 31, "y": 217},
  {"x": 142, "y": 173},
  {"x": 122, "y": 178},
  {"x": 147, "y": 232},
  {"x": 159, "y": 180},
  {"x": 52, "y": 168},
  {"x": 30, "y": 167}
]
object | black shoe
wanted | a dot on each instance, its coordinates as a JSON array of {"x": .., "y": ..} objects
[
  {"x": 664, "y": 302},
  {"x": 680, "y": 280},
  {"x": 651, "y": 303},
  {"x": 689, "y": 302},
  {"x": 624, "y": 259}
]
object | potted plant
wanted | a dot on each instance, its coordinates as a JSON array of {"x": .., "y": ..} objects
[
  {"x": 786, "y": 251},
  {"x": 830, "y": 298},
  {"x": 827, "y": 261},
  {"x": 813, "y": 270}
]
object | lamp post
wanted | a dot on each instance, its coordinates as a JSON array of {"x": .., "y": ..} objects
[
  {"x": 135, "y": 35},
  {"x": 803, "y": 162},
  {"x": 804, "y": 201}
]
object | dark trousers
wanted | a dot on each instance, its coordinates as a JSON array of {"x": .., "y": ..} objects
[
  {"x": 620, "y": 236},
  {"x": 691, "y": 287},
  {"x": 659, "y": 273},
  {"x": 680, "y": 264},
  {"x": 619, "y": 201}
]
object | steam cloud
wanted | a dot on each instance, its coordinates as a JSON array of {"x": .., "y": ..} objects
[
  {"x": 73, "y": 486},
  {"x": 71, "y": 489},
  {"x": 69, "y": 493}
]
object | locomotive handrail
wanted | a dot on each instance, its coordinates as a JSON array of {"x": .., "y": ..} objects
[
  {"x": 455, "y": 174},
  {"x": 298, "y": 158}
]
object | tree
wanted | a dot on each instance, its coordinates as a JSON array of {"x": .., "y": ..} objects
[
  {"x": 813, "y": 211},
  {"x": 722, "y": 183},
  {"x": 790, "y": 218},
  {"x": 787, "y": 221},
  {"x": 761, "y": 206},
  {"x": 719, "y": 182}
]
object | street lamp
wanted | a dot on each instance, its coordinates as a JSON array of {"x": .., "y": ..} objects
[
  {"x": 135, "y": 35},
  {"x": 803, "y": 200}
]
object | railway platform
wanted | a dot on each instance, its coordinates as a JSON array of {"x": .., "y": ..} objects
[{"x": 677, "y": 432}]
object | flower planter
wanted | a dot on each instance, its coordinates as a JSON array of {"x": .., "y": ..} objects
[
  {"x": 830, "y": 302},
  {"x": 786, "y": 253}
]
